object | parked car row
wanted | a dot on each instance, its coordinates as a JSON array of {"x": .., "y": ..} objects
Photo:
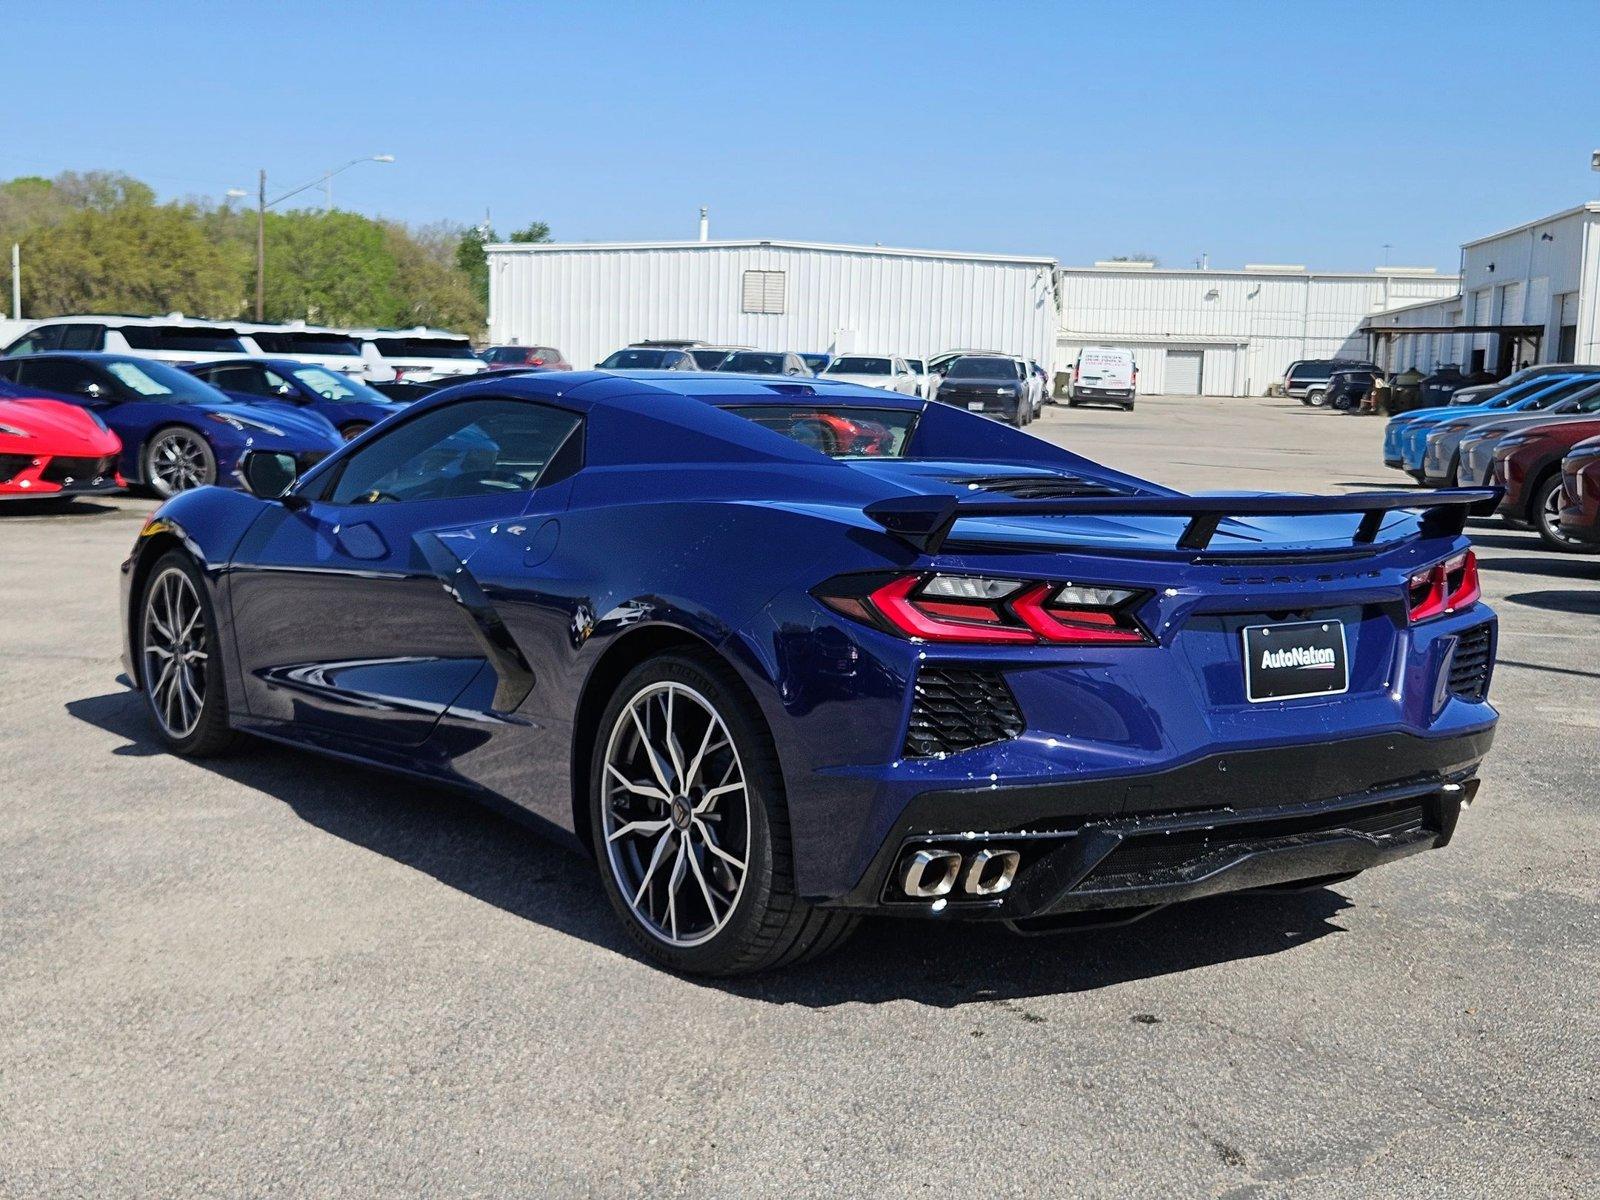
[
  {"x": 373, "y": 354},
  {"x": 1517, "y": 437}
]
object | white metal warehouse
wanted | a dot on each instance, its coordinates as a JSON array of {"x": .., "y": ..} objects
[
  {"x": 1529, "y": 294},
  {"x": 588, "y": 299},
  {"x": 1229, "y": 332}
]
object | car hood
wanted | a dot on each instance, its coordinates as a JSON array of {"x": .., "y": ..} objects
[
  {"x": 1516, "y": 422},
  {"x": 54, "y": 427}
]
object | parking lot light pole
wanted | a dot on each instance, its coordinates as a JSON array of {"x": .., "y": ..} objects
[{"x": 262, "y": 204}]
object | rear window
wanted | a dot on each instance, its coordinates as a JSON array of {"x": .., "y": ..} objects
[
  {"x": 754, "y": 362},
  {"x": 707, "y": 360},
  {"x": 837, "y": 432},
  {"x": 423, "y": 348},
  {"x": 507, "y": 354},
  {"x": 176, "y": 337},
  {"x": 639, "y": 360},
  {"x": 859, "y": 366},
  {"x": 297, "y": 342}
]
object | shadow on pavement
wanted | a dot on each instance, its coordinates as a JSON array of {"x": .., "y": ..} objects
[
  {"x": 1559, "y": 566},
  {"x": 490, "y": 857}
]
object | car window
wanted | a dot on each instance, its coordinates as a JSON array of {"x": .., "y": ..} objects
[
  {"x": 974, "y": 367},
  {"x": 36, "y": 341},
  {"x": 182, "y": 339},
  {"x": 471, "y": 448},
  {"x": 755, "y": 362},
  {"x": 838, "y": 432},
  {"x": 637, "y": 360},
  {"x": 330, "y": 385},
  {"x": 81, "y": 337},
  {"x": 859, "y": 365},
  {"x": 58, "y": 375},
  {"x": 250, "y": 380}
]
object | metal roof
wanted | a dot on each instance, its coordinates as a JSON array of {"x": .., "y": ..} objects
[{"x": 767, "y": 243}]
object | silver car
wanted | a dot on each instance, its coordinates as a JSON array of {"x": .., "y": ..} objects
[{"x": 1439, "y": 461}]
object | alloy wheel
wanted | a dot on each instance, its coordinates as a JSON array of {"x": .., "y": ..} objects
[
  {"x": 173, "y": 641},
  {"x": 1550, "y": 521},
  {"x": 178, "y": 460},
  {"x": 676, "y": 814}
]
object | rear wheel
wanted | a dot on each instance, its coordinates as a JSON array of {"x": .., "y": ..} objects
[
  {"x": 180, "y": 663},
  {"x": 1547, "y": 520},
  {"x": 1316, "y": 397},
  {"x": 690, "y": 825},
  {"x": 177, "y": 459}
]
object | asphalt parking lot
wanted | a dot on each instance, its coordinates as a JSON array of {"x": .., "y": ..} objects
[{"x": 278, "y": 975}]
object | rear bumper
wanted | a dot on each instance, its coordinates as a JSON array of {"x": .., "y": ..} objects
[
  {"x": 1080, "y": 392},
  {"x": 1226, "y": 822}
]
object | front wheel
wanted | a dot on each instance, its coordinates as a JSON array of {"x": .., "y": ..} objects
[
  {"x": 180, "y": 660},
  {"x": 690, "y": 825},
  {"x": 177, "y": 459},
  {"x": 1547, "y": 520}
]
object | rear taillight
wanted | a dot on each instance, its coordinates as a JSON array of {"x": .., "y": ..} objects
[
  {"x": 989, "y": 611},
  {"x": 1443, "y": 588}
]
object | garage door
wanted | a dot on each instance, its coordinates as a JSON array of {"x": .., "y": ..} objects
[{"x": 1183, "y": 372}]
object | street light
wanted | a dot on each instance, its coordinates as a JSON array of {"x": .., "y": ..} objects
[{"x": 262, "y": 204}]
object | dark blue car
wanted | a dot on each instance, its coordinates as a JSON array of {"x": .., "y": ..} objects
[
  {"x": 177, "y": 432},
  {"x": 781, "y": 653},
  {"x": 349, "y": 405}
]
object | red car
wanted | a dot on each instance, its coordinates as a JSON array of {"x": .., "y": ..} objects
[
  {"x": 1527, "y": 464},
  {"x": 52, "y": 449},
  {"x": 1580, "y": 507},
  {"x": 501, "y": 358}
]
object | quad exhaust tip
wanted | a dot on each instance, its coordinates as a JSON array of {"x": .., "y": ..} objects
[{"x": 931, "y": 873}]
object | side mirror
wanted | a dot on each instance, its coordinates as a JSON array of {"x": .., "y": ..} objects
[{"x": 269, "y": 475}]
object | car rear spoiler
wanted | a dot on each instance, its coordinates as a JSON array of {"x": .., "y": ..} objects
[{"x": 925, "y": 522}]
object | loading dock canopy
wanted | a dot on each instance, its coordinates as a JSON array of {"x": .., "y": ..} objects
[{"x": 1519, "y": 331}]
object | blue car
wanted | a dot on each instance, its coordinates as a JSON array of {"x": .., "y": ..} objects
[
  {"x": 1405, "y": 436},
  {"x": 781, "y": 653},
  {"x": 349, "y": 405},
  {"x": 177, "y": 432}
]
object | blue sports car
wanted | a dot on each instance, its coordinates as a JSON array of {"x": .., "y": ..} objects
[
  {"x": 780, "y": 653},
  {"x": 177, "y": 432},
  {"x": 350, "y": 406}
]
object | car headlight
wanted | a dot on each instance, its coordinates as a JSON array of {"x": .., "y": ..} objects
[
  {"x": 1515, "y": 440},
  {"x": 1456, "y": 427},
  {"x": 242, "y": 424}
]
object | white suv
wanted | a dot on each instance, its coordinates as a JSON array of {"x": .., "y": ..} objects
[
  {"x": 419, "y": 355},
  {"x": 174, "y": 338}
]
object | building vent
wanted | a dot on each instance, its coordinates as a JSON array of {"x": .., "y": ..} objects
[{"x": 763, "y": 291}]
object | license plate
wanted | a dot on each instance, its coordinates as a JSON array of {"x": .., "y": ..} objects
[
  {"x": 1286, "y": 662},
  {"x": 975, "y": 405}
]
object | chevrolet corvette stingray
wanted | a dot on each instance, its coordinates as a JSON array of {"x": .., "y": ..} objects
[{"x": 781, "y": 653}]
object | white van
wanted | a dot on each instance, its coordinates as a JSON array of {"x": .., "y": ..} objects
[
  {"x": 314, "y": 344},
  {"x": 174, "y": 338},
  {"x": 420, "y": 355},
  {"x": 1104, "y": 373}
]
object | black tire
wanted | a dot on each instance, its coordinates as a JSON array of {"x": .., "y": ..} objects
[
  {"x": 354, "y": 430},
  {"x": 167, "y": 481},
  {"x": 1128, "y": 407},
  {"x": 1545, "y": 511},
  {"x": 767, "y": 925},
  {"x": 210, "y": 733},
  {"x": 1418, "y": 477}
]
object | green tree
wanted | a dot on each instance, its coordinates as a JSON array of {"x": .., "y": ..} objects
[
  {"x": 137, "y": 258},
  {"x": 332, "y": 268}
]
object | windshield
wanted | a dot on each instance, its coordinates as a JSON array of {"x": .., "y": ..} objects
[
  {"x": 638, "y": 360},
  {"x": 708, "y": 360},
  {"x": 859, "y": 366},
  {"x": 835, "y": 431},
  {"x": 815, "y": 361},
  {"x": 332, "y": 386},
  {"x": 301, "y": 342},
  {"x": 144, "y": 377},
  {"x": 172, "y": 337},
  {"x": 422, "y": 347},
  {"x": 916, "y": 365},
  {"x": 754, "y": 362},
  {"x": 1558, "y": 393},
  {"x": 982, "y": 368}
]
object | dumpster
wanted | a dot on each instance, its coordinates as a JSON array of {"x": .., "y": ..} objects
[{"x": 1436, "y": 389}]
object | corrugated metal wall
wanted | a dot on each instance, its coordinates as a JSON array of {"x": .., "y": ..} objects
[
  {"x": 590, "y": 300},
  {"x": 1252, "y": 324}
]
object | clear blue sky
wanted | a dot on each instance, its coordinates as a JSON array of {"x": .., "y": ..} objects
[{"x": 1289, "y": 132}]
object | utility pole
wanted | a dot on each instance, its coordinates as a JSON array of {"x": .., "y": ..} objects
[
  {"x": 16, "y": 281},
  {"x": 261, "y": 248}
]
